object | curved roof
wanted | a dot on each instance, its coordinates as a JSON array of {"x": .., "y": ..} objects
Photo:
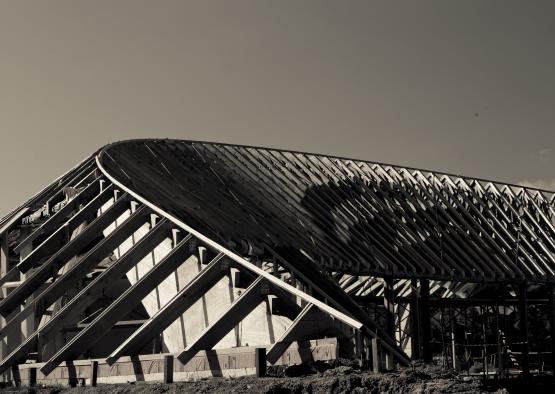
[{"x": 346, "y": 215}]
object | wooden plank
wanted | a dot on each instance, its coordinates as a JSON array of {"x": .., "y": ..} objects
[
  {"x": 62, "y": 215},
  {"x": 94, "y": 373},
  {"x": 57, "y": 288},
  {"x": 127, "y": 301},
  {"x": 310, "y": 323},
  {"x": 174, "y": 308},
  {"x": 523, "y": 315},
  {"x": 62, "y": 234},
  {"x": 52, "y": 265},
  {"x": 4, "y": 258},
  {"x": 425, "y": 320},
  {"x": 338, "y": 299},
  {"x": 233, "y": 256},
  {"x": 168, "y": 369},
  {"x": 288, "y": 336},
  {"x": 376, "y": 356},
  {"x": 19, "y": 215},
  {"x": 260, "y": 361},
  {"x": 71, "y": 311},
  {"x": 236, "y": 312}
]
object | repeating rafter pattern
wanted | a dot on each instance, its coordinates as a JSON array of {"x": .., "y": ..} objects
[
  {"x": 348, "y": 215},
  {"x": 91, "y": 251}
]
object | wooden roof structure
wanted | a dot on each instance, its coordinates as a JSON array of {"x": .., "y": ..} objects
[
  {"x": 316, "y": 229},
  {"x": 348, "y": 215}
]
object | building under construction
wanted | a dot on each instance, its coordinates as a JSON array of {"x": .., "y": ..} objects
[{"x": 177, "y": 260}]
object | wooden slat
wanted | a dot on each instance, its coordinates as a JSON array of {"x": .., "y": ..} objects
[
  {"x": 61, "y": 235},
  {"x": 174, "y": 308},
  {"x": 51, "y": 266},
  {"x": 236, "y": 312},
  {"x": 127, "y": 301},
  {"x": 71, "y": 311},
  {"x": 59, "y": 217}
]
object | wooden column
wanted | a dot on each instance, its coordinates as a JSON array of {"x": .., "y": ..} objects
[
  {"x": 454, "y": 360},
  {"x": 168, "y": 369},
  {"x": 94, "y": 373},
  {"x": 523, "y": 311},
  {"x": 32, "y": 377},
  {"x": 28, "y": 325},
  {"x": 551, "y": 294},
  {"x": 389, "y": 305},
  {"x": 3, "y": 293},
  {"x": 260, "y": 361},
  {"x": 425, "y": 321},
  {"x": 414, "y": 317},
  {"x": 376, "y": 359}
]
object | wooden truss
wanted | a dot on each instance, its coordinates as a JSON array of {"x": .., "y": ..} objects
[
  {"x": 143, "y": 236},
  {"x": 56, "y": 278}
]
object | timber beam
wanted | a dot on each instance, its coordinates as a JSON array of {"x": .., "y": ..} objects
[
  {"x": 311, "y": 323},
  {"x": 175, "y": 307},
  {"x": 57, "y": 288},
  {"x": 51, "y": 267},
  {"x": 62, "y": 215},
  {"x": 63, "y": 233},
  {"x": 69, "y": 314},
  {"x": 236, "y": 312},
  {"x": 127, "y": 301}
]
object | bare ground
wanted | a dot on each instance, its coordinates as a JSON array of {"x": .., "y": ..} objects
[{"x": 336, "y": 380}]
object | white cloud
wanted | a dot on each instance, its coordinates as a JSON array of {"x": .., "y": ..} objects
[
  {"x": 546, "y": 184},
  {"x": 544, "y": 154}
]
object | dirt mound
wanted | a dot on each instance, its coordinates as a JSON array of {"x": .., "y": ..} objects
[{"x": 342, "y": 379}]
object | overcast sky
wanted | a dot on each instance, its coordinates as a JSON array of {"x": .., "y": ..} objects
[{"x": 465, "y": 87}]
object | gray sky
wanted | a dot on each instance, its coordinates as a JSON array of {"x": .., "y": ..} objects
[{"x": 465, "y": 87}]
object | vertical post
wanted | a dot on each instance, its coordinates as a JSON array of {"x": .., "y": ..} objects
[
  {"x": 359, "y": 351},
  {"x": 483, "y": 311},
  {"x": 523, "y": 311},
  {"x": 389, "y": 305},
  {"x": 551, "y": 294},
  {"x": 28, "y": 325},
  {"x": 376, "y": 361},
  {"x": 15, "y": 375},
  {"x": 202, "y": 253},
  {"x": 260, "y": 361},
  {"x": 168, "y": 368},
  {"x": 414, "y": 317},
  {"x": 500, "y": 347},
  {"x": 32, "y": 377},
  {"x": 454, "y": 359},
  {"x": 94, "y": 373},
  {"x": 3, "y": 293},
  {"x": 426, "y": 326}
]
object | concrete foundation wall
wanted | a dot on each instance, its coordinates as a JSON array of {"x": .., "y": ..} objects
[{"x": 215, "y": 363}]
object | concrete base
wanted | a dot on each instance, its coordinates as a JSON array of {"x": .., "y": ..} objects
[{"x": 231, "y": 362}]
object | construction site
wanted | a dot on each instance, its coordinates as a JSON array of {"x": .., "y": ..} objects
[{"x": 164, "y": 261}]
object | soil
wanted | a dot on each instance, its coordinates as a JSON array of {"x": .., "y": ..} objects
[{"x": 343, "y": 379}]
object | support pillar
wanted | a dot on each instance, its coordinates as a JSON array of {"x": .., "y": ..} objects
[
  {"x": 260, "y": 361},
  {"x": 454, "y": 359},
  {"x": 425, "y": 321},
  {"x": 523, "y": 311},
  {"x": 94, "y": 373},
  {"x": 414, "y": 317},
  {"x": 551, "y": 294},
  {"x": 32, "y": 377},
  {"x": 389, "y": 305},
  {"x": 28, "y": 325},
  {"x": 3, "y": 293},
  {"x": 376, "y": 359},
  {"x": 168, "y": 369}
]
